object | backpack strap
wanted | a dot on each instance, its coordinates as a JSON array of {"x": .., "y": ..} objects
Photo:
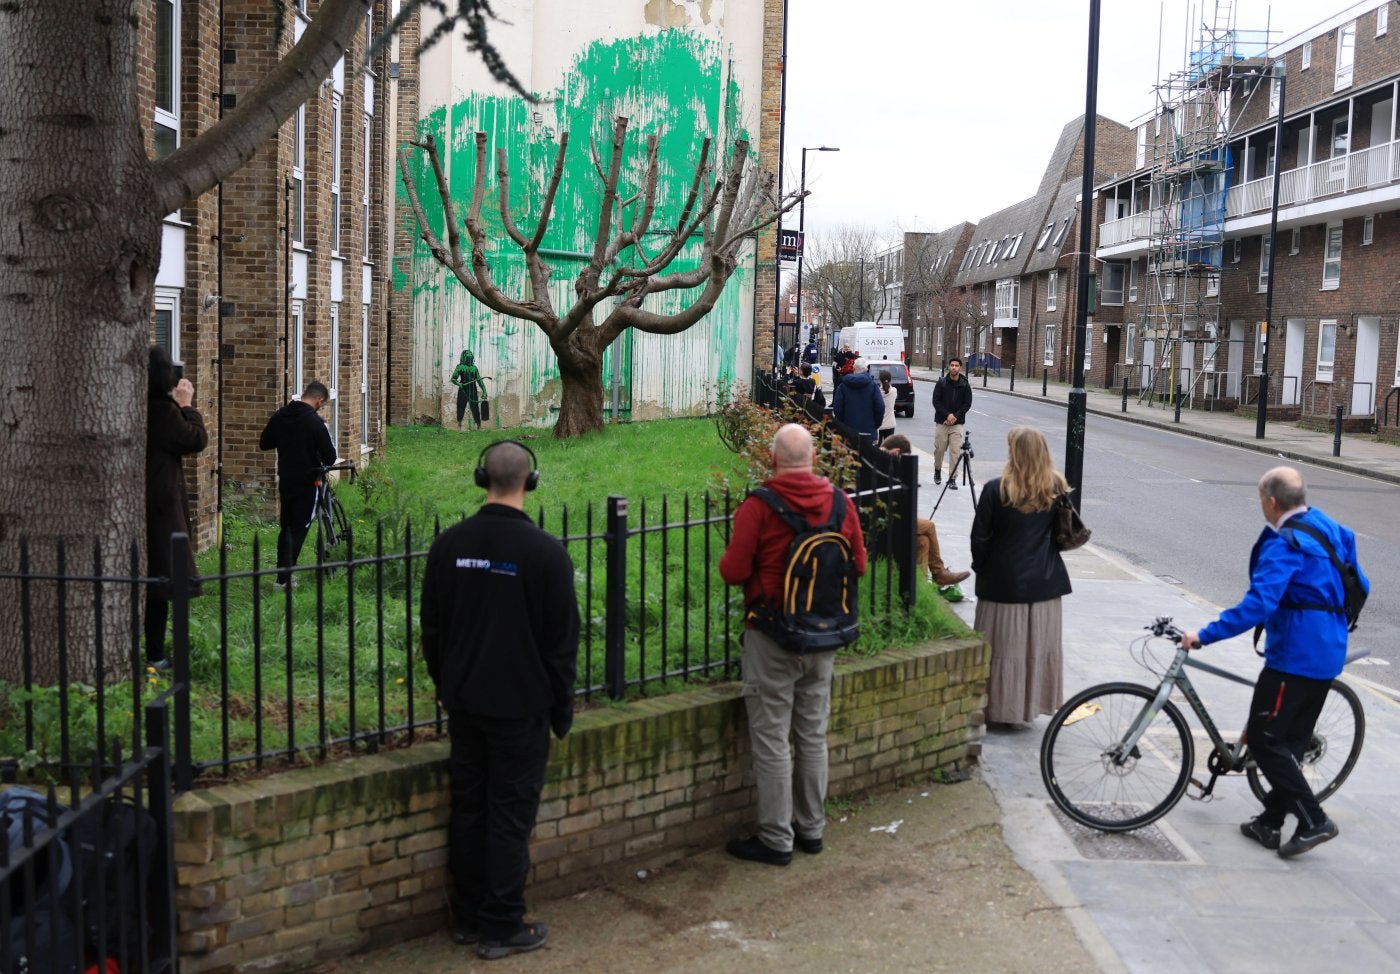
[
  {"x": 780, "y": 507},
  {"x": 1288, "y": 535},
  {"x": 838, "y": 509}
]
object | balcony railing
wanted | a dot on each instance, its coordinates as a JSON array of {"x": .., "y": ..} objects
[
  {"x": 1138, "y": 226},
  {"x": 1366, "y": 169}
]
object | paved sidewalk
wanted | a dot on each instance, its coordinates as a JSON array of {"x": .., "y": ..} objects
[
  {"x": 971, "y": 884},
  {"x": 1361, "y": 454}
]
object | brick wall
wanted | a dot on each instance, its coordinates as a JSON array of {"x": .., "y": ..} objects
[
  {"x": 770, "y": 158},
  {"x": 282, "y": 872}
]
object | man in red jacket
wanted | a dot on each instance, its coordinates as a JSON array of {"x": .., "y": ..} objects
[{"x": 784, "y": 691}]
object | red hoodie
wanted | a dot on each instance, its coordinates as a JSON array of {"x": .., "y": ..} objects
[{"x": 757, "y": 552}]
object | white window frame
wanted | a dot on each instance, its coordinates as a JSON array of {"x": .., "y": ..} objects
[
  {"x": 365, "y": 177},
  {"x": 1088, "y": 346},
  {"x": 1307, "y": 55},
  {"x": 1368, "y": 231},
  {"x": 1130, "y": 349},
  {"x": 1060, "y": 234},
  {"x": 1275, "y": 95},
  {"x": 1052, "y": 290},
  {"x": 1341, "y": 132},
  {"x": 1326, "y": 356},
  {"x": 1140, "y": 158},
  {"x": 1263, "y": 262},
  {"x": 1008, "y": 299},
  {"x": 1296, "y": 243},
  {"x": 169, "y": 118},
  {"x": 299, "y": 175},
  {"x": 333, "y": 379},
  {"x": 986, "y": 290},
  {"x": 298, "y": 339},
  {"x": 1235, "y": 251},
  {"x": 1259, "y": 344},
  {"x": 1383, "y": 19},
  {"x": 1105, "y": 292},
  {"x": 167, "y": 299},
  {"x": 1332, "y": 258},
  {"x": 1049, "y": 356},
  {"x": 1212, "y": 285},
  {"x": 1346, "y": 56},
  {"x": 364, "y": 378},
  {"x": 1133, "y": 280},
  {"x": 335, "y": 156}
]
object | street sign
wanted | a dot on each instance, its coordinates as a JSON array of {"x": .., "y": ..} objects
[{"x": 789, "y": 244}]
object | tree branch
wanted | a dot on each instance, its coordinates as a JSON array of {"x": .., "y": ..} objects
[
  {"x": 503, "y": 198},
  {"x": 451, "y": 259},
  {"x": 203, "y": 162}
]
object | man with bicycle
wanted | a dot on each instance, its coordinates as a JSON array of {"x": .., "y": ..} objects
[
  {"x": 303, "y": 445},
  {"x": 1298, "y": 597}
]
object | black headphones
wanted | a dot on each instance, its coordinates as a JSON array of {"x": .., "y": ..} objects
[{"x": 483, "y": 479}]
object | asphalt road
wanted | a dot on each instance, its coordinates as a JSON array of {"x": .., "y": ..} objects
[{"x": 1186, "y": 509}]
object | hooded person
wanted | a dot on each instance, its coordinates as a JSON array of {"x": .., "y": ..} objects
[
  {"x": 859, "y": 403},
  {"x": 467, "y": 378}
]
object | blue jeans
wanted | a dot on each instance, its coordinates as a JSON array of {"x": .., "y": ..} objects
[
  {"x": 787, "y": 693},
  {"x": 496, "y": 771}
]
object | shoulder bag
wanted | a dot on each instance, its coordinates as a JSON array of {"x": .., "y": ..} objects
[{"x": 1069, "y": 530}]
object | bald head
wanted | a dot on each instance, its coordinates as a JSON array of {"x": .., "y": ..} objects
[
  {"x": 1285, "y": 485},
  {"x": 792, "y": 449},
  {"x": 508, "y": 465}
]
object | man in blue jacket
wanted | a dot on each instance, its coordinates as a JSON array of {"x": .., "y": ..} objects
[
  {"x": 1296, "y": 594},
  {"x": 858, "y": 402}
]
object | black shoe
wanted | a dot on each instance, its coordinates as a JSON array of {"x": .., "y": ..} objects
[
  {"x": 810, "y": 846},
  {"x": 464, "y": 935},
  {"x": 952, "y": 485},
  {"x": 937, "y": 479},
  {"x": 1266, "y": 835},
  {"x": 755, "y": 849},
  {"x": 531, "y": 937},
  {"x": 1305, "y": 839}
]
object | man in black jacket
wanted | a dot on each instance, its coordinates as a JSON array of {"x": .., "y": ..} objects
[
  {"x": 952, "y": 398},
  {"x": 303, "y": 445},
  {"x": 500, "y": 629}
]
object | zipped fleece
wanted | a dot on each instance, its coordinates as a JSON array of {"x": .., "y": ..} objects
[
  {"x": 1295, "y": 568},
  {"x": 758, "y": 548}
]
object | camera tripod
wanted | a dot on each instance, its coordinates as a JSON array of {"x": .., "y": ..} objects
[{"x": 962, "y": 462}]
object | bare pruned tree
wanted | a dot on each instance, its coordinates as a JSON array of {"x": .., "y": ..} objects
[
  {"x": 843, "y": 287},
  {"x": 724, "y": 209}
]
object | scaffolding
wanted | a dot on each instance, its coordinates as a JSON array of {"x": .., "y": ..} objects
[{"x": 1189, "y": 179}]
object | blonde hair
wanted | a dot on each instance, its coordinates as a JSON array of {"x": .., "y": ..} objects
[{"x": 1029, "y": 481}]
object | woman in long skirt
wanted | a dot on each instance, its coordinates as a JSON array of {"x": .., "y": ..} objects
[{"x": 1020, "y": 579}]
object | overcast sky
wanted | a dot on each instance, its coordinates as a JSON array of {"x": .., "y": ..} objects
[{"x": 948, "y": 111}]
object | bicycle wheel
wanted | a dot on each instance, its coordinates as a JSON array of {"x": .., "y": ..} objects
[
  {"x": 1089, "y": 776},
  {"x": 340, "y": 523},
  {"x": 1336, "y": 744}
]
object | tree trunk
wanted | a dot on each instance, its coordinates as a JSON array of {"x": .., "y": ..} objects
[
  {"x": 79, "y": 250},
  {"x": 581, "y": 374}
]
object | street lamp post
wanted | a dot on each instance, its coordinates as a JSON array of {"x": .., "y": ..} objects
[{"x": 802, "y": 224}]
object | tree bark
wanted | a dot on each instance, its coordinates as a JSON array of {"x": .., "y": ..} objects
[{"x": 581, "y": 377}]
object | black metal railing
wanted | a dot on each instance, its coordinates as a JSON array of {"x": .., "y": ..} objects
[{"x": 262, "y": 673}]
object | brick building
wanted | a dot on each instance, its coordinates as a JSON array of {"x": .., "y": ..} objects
[
  {"x": 1336, "y": 300},
  {"x": 279, "y": 276}
]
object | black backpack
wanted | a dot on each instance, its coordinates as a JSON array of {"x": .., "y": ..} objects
[
  {"x": 1353, "y": 592},
  {"x": 818, "y": 610},
  {"x": 40, "y": 935},
  {"x": 112, "y": 850}
]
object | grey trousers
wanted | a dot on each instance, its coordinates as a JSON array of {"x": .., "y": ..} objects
[{"x": 787, "y": 693}]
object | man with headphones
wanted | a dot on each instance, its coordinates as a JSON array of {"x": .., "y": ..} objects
[{"x": 500, "y": 628}]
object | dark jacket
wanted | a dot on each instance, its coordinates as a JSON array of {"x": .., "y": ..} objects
[
  {"x": 1292, "y": 566},
  {"x": 302, "y": 442},
  {"x": 952, "y": 397},
  {"x": 1012, "y": 552},
  {"x": 859, "y": 403},
  {"x": 757, "y": 552},
  {"x": 499, "y": 617},
  {"x": 171, "y": 433}
]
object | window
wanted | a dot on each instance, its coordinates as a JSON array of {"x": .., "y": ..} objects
[
  {"x": 1130, "y": 345},
  {"x": 1015, "y": 245},
  {"x": 1332, "y": 258},
  {"x": 1235, "y": 252},
  {"x": 1346, "y": 55},
  {"x": 335, "y": 174},
  {"x": 1326, "y": 350},
  {"x": 1341, "y": 139},
  {"x": 1307, "y": 55},
  {"x": 1296, "y": 244},
  {"x": 364, "y": 377},
  {"x": 167, "y": 69},
  {"x": 1212, "y": 285},
  {"x": 1008, "y": 299},
  {"x": 1132, "y": 280},
  {"x": 298, "y": 348},
  {"x": 985, "y": 289},
  {"x": 299, "y": 176},
  {"x": 1140, "y": 159},
  {"x": 1383, "y": 19},
  {"x": 1049, "y": 358},
  {"x": 1052, "y": 291},
  {"x": 1060, "y": 233},
  {"x": 1260, "y": 340},
  {"x": 167, "y": 321},
  {"x": 1088, "y": 345},
  {"x": 364, "y": 183},
  {"x": 1112, "y": 283},
  {"x": 1275, "y": 93},
  {"x": 1368, "y": 231},
  {"x": 1264, "y": 253},
  {"x": 333, "y": 379}
]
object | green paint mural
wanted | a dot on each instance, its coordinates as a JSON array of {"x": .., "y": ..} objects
[{"x": 676, "y": 85}]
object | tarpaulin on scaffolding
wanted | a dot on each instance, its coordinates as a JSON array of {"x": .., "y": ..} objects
[{"x": 1202, "y": 223}]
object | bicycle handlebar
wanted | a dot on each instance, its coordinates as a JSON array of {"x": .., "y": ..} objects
[{"x": 1162, "y": 626}]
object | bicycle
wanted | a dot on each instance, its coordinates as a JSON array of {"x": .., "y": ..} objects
[
  {"x": 332, "y": 524},
  {"x": 1119, "y": 756}
]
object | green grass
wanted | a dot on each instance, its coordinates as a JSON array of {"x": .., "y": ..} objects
[{"x": 244, "y": 662}]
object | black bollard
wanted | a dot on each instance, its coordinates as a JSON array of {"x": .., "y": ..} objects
[
  {"x": 1125, "y": 393},
  {"x": 984, "y": 375},
  {"x": 1178, "y": 403},
  {"x": 1044, "y": 381},
  {"x": 1013, "y": 378},
  {"x": 1337, "y": 434}
]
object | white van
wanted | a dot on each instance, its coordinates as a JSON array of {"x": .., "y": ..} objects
[{"x": 875, "y": 342}]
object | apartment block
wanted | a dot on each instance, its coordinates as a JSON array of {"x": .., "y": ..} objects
[
  {"x": 1311, "y": 121},
  {"x": 279, "y": 276}
]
